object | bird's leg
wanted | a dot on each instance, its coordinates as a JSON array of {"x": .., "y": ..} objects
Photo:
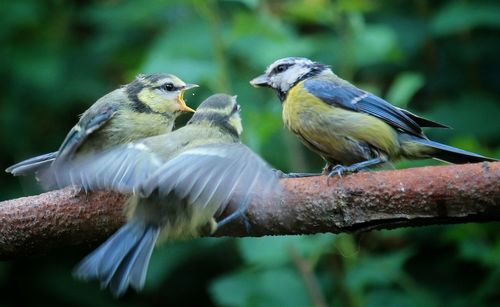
[
  {"x": 327, "y": 169},
  {"x": 341, "y": 169},
  {"x": 294, "y": 175},
  {"x": 239, "y": 213}
]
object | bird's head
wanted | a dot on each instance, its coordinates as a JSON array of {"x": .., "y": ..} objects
[
  {"x": 220, "y": 110},
  {"x": 158, "y": 93},
  {"x": 284, "y": 73}
]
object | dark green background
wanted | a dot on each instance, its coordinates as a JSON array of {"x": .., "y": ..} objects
[{"x": 441, "y": 60}]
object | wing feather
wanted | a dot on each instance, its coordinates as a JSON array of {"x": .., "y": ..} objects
[
  {"x": 213, "y": 175},
  {"x": 352, "y": 98},
  {"x": 88, "y": 124},
  {"x": 122, "y": 168}
]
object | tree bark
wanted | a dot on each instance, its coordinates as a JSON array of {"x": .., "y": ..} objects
[{"x": 357, "y": 202}]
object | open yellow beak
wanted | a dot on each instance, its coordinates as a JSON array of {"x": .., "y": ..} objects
[{"x": 183, "y": 106}]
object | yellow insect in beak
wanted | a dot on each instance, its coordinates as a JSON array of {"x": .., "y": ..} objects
[{"x": 180, "y": 99}]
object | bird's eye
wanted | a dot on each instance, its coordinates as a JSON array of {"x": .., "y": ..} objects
[
  {"x": 280, "y": 68},
  {"x": 168, "y": 87}
]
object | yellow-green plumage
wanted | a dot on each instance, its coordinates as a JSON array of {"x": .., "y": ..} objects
[
  {"x": 333, "y": 132},
  {"x": 180, "y": 182},
  {"x": 146, "y": 107},
  {"x": 350, "y": 128},
  {"x": 126, "y": 125}
]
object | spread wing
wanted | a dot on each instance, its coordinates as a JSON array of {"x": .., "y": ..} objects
[
  {"x": 122, "y": 168},
  {"x": 213, "y": 176},
  {"x": 352, "y": 98},
  {"x": 90, "y": 122}
]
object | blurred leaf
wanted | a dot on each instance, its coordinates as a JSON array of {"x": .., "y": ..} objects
[
  {"x": 397, "y": 298},
  {"x": 315, "y": 11},
  {"x": 377, "y": 270},
  {"x": 404, "y": 88},
  {"x": 474, "y": 243},
  {"x": 192, "y": 62},
  {"x": 167, "y": 258},
  {"x": 273, "y": 251},
  {"x": 481, "y": 250},
  {"x": 261, "y": 39},
  {"x": 460, "y": 16},
  {"x": 469, "y": 114},
  {"x": 278, "y": 287},
  {"x": 250, "y": 3},
  {"x": 374, "y": 44}
]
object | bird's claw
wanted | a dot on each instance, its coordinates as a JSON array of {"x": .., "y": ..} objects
[
  {"x": 339, "y": 170},
  {"x": 239, "y": 214}
]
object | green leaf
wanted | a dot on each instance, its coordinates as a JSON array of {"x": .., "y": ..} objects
[
  {"x": 373, "y": 44},
  {"x": 192, "y": 62},
  {"x": 278, "y": 287},
  {"x": 470, "y": 114},
  {"x": 377, "y": 270},
  {"x": 404, "y": 88},
  {"x": 461, "y": 16},
  {"x": 273, "y": 251}
]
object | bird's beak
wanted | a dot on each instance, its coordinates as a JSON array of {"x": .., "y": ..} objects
[
  {"x": 260, "y": 81},
  {"x": 190, "y": 86},
  {"x": 183, "y": 106}
]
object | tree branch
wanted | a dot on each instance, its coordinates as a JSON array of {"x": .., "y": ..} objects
[{"x": 358, "y": 202}]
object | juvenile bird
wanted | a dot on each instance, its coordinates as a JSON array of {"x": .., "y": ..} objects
[
  {"x": 181, "y": 181},
  {"x": 350, "y": 128},
  {"x": 145, "y": 107}
]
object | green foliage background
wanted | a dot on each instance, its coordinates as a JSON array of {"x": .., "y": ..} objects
[{"x": 439, "y": 59}]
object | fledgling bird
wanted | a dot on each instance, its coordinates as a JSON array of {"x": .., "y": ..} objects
[
  {"x": 181, "y": 182},
  {"x": 146, "y": 107},
  {"x": 350, "y": 128}
]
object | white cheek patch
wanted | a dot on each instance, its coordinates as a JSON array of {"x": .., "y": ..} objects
[{"x": 285, "y": 80}]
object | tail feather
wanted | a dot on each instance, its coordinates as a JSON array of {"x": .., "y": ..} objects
[
  {"x": 423, "y": 122},
  {"x": 121, "y": 260},
  {"x": 32, "y": 165},
  {"x": 133, "y": 268},
  {"x": 452, "y": 154}
]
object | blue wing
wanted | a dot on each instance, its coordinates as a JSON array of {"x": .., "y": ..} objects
[
  {"x": 349, "y": 97},
  {"x": 88, "y": 124},
  {"x": 424, "y": 122}
]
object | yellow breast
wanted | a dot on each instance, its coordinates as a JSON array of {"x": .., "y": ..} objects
[{"x": 335, "y": 133}]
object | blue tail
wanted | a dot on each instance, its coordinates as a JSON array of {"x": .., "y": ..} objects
[
  {"x": 452, "y": 154},
  {"x": 122, "y": 260},
  {"x": 32, "y": 165}
]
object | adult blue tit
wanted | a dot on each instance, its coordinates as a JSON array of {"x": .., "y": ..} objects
[
  {"x": 180, "y": 183},
  {"x": 145, "y": 107},
  {"x": 350, "y": 128}
]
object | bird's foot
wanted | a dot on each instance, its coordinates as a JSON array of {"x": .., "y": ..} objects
[
  {"x": 239, "y": 214},
  {"x": 339, "y": 170}
]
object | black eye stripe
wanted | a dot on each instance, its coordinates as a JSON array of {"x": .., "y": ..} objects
[
  {"x": 235, "y": 109},
  {"x": 281, "y": 68},
  {"x": 169, "y": 87}
]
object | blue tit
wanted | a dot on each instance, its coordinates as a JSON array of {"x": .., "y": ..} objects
[
  {"x": 145, "y": 107},
  {"x": 180, "y": 183},
  {"x": 350, "y": 128}
]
